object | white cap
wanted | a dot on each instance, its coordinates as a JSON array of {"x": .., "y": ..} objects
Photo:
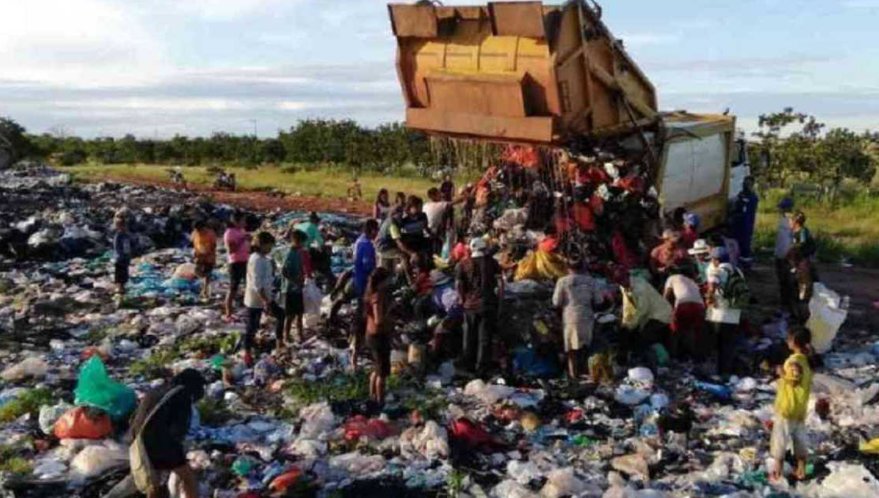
[{"x": 478, "y": 245}]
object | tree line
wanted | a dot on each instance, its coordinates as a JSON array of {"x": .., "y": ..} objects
[
  {"x": 789, "y": 146},
  {"x": 317, "y": 142}
]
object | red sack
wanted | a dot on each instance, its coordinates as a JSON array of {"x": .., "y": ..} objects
[
  {"x": 361, "y": 426},
  {"x": 284, "y": 481},
  {"x": 77, "y": 424}
]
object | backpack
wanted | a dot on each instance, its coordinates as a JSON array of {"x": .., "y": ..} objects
[
  {"x": 145, "y": 476},
  {"x": 736, "y": 290}
]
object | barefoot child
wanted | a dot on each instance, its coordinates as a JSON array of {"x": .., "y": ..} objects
[
  {"x": 791, "y": 404},
  {"x": 379, "y": 327}
]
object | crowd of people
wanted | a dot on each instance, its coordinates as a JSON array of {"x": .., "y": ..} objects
[{"x": 674, "y": 289}]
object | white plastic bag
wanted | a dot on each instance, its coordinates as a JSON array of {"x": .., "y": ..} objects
[
  {"x": 825, "y": 318},
  {"x": 50, "y": 414},
  {"x": 186, "y": 271},
  {"x": 562, "y": 482},
  {"x": 30, "y": 368},
  {"x": 96, "y": 460},
  {"x": 312, "y": 297}
]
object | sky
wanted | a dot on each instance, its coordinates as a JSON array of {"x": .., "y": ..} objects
[{"x": 157, "y": 68}]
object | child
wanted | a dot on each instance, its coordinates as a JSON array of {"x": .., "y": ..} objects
[
  {"x": 122, "y": 248},
  {"x": 258, "y": 295},
  {"x": 204, "y": 244},
  {"x": 379, "y": 326},
  {"x": 297, "y": 267},
  {"x": 238, "y": 248},
  {"x": 576, "y": 294},
  {"x": 791, "y": 404}
]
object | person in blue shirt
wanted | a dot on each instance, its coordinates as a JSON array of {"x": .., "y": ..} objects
[
  {"x": 364, "y": 265},
  {"x": 744, "y": 217},
  {"x": 122, "y": 260}
]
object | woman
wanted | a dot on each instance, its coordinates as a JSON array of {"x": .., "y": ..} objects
[
  {"x": 204, "y": 244},
  {"x": 382, "y": 207},
  {"x": 399, "y": 208},
  {"x": 379, "y": 326}
]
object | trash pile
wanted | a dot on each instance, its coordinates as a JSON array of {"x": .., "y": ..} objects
[{"x": 300, "y": 423}]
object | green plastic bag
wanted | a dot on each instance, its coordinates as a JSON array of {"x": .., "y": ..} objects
[{"x": 96, "y": 389}]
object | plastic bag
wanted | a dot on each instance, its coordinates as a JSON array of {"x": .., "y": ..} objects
[
  {"x": 562, "y": 482},
  {"x": 312, "y": 297},
  {"x": 633, "y": 465},
  {"x": 185, "y": 271},
  {"x": 50, "y": 414},
  {"x": 431, "y": 442},
  {"x": 80, "y": 424},
  {"x": 825, "y": 318},
  {"x": 29, "y": 368},
  {"x": 487, "y": 393},
  {"x": 361, "y": 426},
  {"x": 96, "y": 460},
  {"x": 641, "y": 375},
  {"x": 538, "y": 265},
  {"x": 95, "y": 388},
  {"x": 284, "y": 481},
  {"x": 474, "y": 436}
]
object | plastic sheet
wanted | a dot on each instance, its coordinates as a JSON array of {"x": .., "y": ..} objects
[
  {"x": 825, "y": 319},
  {"x": 539, "y": 265},
  {"x": 96, "y": 388},
  {"x": 94, "y": 461}
]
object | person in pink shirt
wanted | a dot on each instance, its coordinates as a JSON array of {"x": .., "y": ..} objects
[{"x": 238, "y": 247}]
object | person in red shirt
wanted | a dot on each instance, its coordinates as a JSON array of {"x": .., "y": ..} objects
[{"x": 667, "y": 254}]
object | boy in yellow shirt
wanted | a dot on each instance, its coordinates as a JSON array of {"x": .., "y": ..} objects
[{"x": 791, "y": 404}]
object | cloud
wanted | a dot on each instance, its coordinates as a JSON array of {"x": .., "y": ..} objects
[{"x": 81, "y": 43}]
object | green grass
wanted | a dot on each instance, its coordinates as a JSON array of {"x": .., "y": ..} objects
[
  {"x": 154, "y": 365},
  {"x": 847, "y": 230},
  {"x": 28, "y": 402},
  {"x": 323, "y": 182},
  {"x": 12, "y": 463}
]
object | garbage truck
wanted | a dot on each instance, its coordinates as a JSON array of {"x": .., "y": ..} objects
[{"x": 550, "y": 75}]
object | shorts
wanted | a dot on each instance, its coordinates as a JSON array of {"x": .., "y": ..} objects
[
  {"x": 120, "y": 272},
  {"x": 786, "y": 432},
  {"x": 237, "y": 275},
  {"x": 380, "y": 346},
  {"x": 294, "y": 303},
  {"x": 203, "y": 269}
]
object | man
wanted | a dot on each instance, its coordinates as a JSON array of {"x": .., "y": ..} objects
[
  {"x": 204, "y": 247},
  {"x": 437, "y": 212},
  {"x": 311, "y": 229},
  {"x": 726, "y": 295},
  {"x": 744, "y": 217},
  {"x": 688, "y": 317},
  {"x": 297, "y": 267},
  {"x": 701, "y": 254},
  {"x": 667, "y": 254},
  {"x": 783, "y": 243},
  {"x": 364, "y": 265},
  {"x": 414, "y": 226},
  {"x": 803, "y": 250},
  {"x": 646, "y": 315},
  {"x": 392, "y": 250},
  {"x": 480, "y": 284},
  {"x": 314, "y": 244},
  {"x": 162, "y": 421}
]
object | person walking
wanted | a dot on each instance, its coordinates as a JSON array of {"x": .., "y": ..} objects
[
  {"x": 238, "y": 248},
  {"x": 783, "y": 243},
  {"x": 122, "y": 257},
  {"x": 297, "y": 268},
  {"x": 259, "y": 294},
  {"x": 204, "y": 245}
]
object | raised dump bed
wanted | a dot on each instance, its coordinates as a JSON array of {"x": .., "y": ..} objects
[{"x": 518, "y": 71}]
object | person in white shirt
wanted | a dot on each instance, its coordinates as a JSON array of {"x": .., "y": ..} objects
[
  {"x": 724, "y": 314},
  {"x": 259, "y": 294},
  {"x": 437, "y": 211},
  {"x": 688, "y": 318},
  {"x": 783, "y": 243},
  {"x": 577, "y": 294}
]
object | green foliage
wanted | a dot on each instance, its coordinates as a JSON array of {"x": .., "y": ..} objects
[
  {"x": 341, "y": 387},
  {"x": 792, "y": 146},
  {"x": 213, "y": 412},
  {"x": 28, "y": 402},
  {"x": 11, "y": 461},
  {"x": 14, "y": 140},
  {"x": 154, "y": 365},
  {"x": 456, "y": 483}
]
